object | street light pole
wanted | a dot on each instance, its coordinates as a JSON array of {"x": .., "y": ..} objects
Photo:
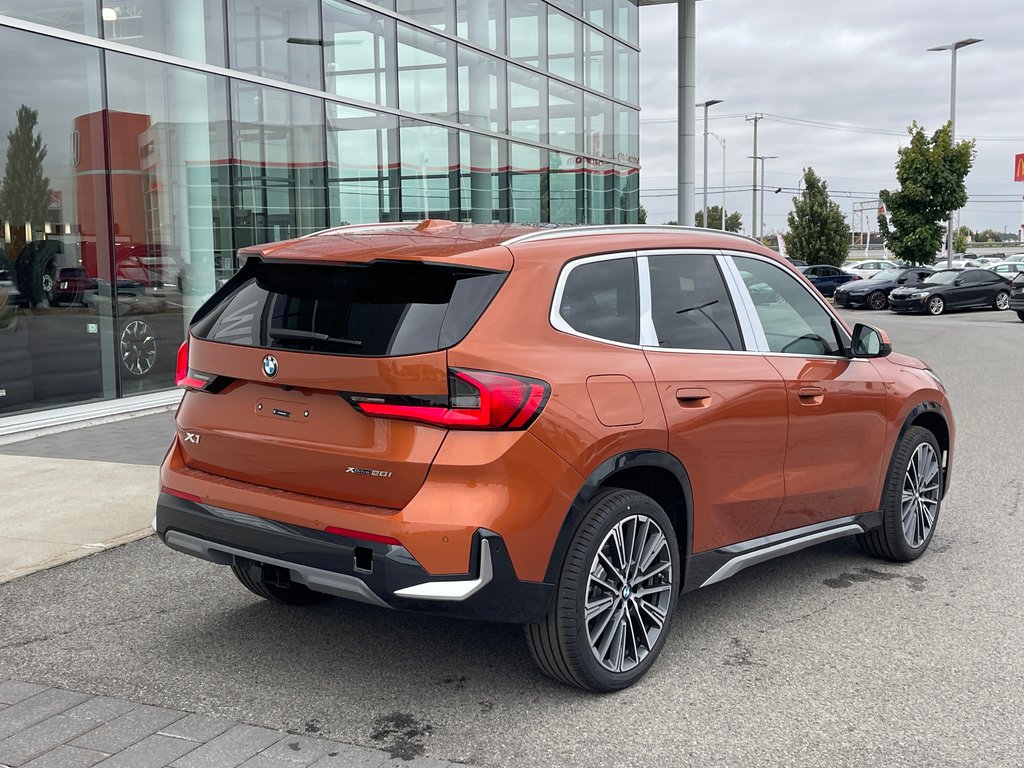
[
  {"x": 952, "y": 48},
  {"x": 722, "y": 142},
  {"x": 758, "y": 226},
  {"x": 706, "y": 104}
]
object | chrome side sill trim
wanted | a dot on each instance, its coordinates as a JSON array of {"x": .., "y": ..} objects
[
  {"x": 337, "y": 584},
  {"x": 740, "y": 562},
  {"x": 453, "y": 590}
]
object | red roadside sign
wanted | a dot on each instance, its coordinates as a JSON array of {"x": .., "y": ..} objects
[{"x": 1018, "y": 168}]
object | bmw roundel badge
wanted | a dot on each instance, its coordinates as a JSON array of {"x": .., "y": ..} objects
[{"x": 270, "y": 366}]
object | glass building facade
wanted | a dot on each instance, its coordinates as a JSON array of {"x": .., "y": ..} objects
[{"x": 142, "y": 143}]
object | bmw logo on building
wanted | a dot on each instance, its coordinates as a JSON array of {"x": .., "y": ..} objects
[{"x": 270, "y": 366}]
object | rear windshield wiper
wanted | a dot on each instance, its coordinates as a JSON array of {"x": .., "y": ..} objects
[
  {"x": 698, "y": 307},
  {"x": 284, "y": 333}
]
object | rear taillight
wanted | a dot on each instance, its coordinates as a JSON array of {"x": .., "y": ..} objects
[
  {"x": 476, "y": 400},
  {"x": 183, "y": 375}
]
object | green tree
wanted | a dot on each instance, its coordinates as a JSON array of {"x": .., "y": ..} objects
[
  {"x": 961, "y": 238},
  {"x": 931, "y": 173},
  {"x": 818, "y": 232},
  {"x": 641, "y": 215},
  {"x": 733, "y": 221},
  {"x": 25, "y": 195}
]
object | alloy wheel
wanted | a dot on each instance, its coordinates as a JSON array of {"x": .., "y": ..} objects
[
  {"x": 920, "y": 495},
  {"x": 629, "y": 592},
  {"x": 877, "y": 300},
  {"x": 936, "y": 305},
  {"x": 1002, "y": 301},
  {"x": 138, "y": 348}
]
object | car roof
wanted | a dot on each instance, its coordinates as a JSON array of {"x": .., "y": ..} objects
[{"x": 489, "y": 245}]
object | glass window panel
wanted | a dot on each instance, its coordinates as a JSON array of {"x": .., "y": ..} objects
[
  {"x": 567, "y": 199},
  {"x": 483, "y": 178},
  {"x": 690, "y": 305},
  {"x": 564, "y": 45},
  {"x": 627, "y": 74},
  {"x": 389, "y": 4},
  {"x": 279, "y": 39},
  {"x": 627, "y": 20},
  {"x": 530, "y": 191},
  {"x": 481, "y": 92},
  {"x": 627, "y": 134},
  {"x": 358, "y": 45},
  {"x": 598, "y": 114},
  {"x": 278, "y": 140},
  {"x": 426, "y": 171},
  {"x": 598, "y": 64},
  {"x": 627, "y": 184},
  {"x": 170, "y": 149},
  {"x": 72, "y": 15},
  {"x": 193, "y": 29},
  {"x": 57, "y": 331},
  {"x": 599, "y": 192},
  {"x": 576, "y": 6},
  {"x": 481, "y": 22},
  {"x": 528, "y": 103},
  {"x": 565, "y": 122},
  {"x": 439, "y": 14},
  {"x": 362, "y": 152},
  {"x": 599, "y": 13},
  {"x": 525, "y": 23},
  {"x": 424, "y": 82}
]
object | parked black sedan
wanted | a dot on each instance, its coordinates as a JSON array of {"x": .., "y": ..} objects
[
  {"x": 826, "y": 278},
  {"x": 1017, "y": 294},
  {"x": 874, "y": 292},
  {"x": 953, "y": 289}
]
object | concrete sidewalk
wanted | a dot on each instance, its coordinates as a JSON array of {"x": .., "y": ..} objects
[{"x": 72, "y": 494}]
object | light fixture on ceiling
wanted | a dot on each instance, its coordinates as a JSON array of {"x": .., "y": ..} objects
[{"x": 109, "y": 14}]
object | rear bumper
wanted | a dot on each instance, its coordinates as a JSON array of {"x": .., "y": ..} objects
[
  {"x": 386, "y": 575},
  {"x": 1017, "y": 301}
]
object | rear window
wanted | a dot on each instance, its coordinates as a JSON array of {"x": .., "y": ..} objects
[{"x": 384, "y": 309}]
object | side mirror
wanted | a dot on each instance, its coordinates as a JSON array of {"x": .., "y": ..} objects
[
  {"x": 902, "y": 280},
  {"x": 869, "y": 342},
  {"x": 958, "y": 281}
]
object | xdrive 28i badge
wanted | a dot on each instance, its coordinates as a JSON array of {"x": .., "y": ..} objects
[{"x": 270, "y": 366}]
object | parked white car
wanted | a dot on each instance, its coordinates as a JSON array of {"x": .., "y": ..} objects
[
  {"x": 866, "y": 269},
  {"x": 1008, "y": 268}
]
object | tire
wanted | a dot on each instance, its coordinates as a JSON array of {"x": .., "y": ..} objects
[
  {"x": 292, "y": 594},
  {"x": 562, "y": 645},
  {"x": 1020, "y": 314},
  {"x": 1002, "y": 301},
  {"x": 905, "y": 532},
  {"x": 936, "y": 306},
  {"x": 878, "y": 300}
]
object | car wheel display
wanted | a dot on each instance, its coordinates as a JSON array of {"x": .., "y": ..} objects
[
  {"x": 137, "y": 348},
  {"x": 936, "y": 306},
  {"x": 1002, "y": 301},
  {"x": 878, "y": 300},
  {"x": 913, "y": 495},
  {"x": 615, "y": 596},
  {"x": 287, "y": 593}
]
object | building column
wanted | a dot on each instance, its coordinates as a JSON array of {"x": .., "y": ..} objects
[{"x": 687, "y": 110}]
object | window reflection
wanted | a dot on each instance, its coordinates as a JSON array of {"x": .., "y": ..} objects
[
  {"x": 483, "y": 178},
  {"x": 362, "y": 149},
  {"x": 279, "y": 39},
  {"x": 627, "y": 74},
  {"x": 427, "y": 171},
  {"x": 193, "y": 29},
  {"x": 564, "y": 45},
  {"x": 358, "y": 45},
  {"x": 530, "y": 191},
  {"x": 481, "y": 91},
  {"x": 57, "y": 326},
  {"x": 72, "y": 15},
  {"x": 423, "y": 73},
  {"x": 439, "y": 14},
  {"x": 597, "y": 65},
  {"x": 565, "y": 116},
  {"x": 525, "y": 22},
  {"x": 566, "y": 196},
  {"x": 627, "y": 20},
  {"x": 528, "y": 104},
  {"x": 481, "y": 22}
]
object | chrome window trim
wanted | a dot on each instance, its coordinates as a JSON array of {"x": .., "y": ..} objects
[
  {"x": 817, "y": 297},
  {"x": 750, "y": 323},
  {"x": 648, "y": 334},
  {"x": 559, "y": 323}
]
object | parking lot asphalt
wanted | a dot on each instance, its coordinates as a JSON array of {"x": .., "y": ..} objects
[{"x": 822, "y": 658}]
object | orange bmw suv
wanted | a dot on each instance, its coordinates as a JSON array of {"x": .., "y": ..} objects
[{"x": 560, "y": 428}]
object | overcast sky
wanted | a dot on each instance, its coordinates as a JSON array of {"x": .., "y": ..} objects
[{"x": 860, "y": 64}]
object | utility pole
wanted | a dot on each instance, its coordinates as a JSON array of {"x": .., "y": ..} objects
[
  {"x": 753, "y": 221},
  {"x": 759, "y": 226},
  {"x": 706, "y": 104}
]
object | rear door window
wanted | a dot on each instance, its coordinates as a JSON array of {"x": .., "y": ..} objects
[
  {"x": 382, "y": 309},
  {"x": 690, "y": 305}
]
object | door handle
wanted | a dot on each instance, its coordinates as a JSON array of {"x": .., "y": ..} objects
[
  {"x": 811, "y": 395},
  {"x": 692, "y": 396}
]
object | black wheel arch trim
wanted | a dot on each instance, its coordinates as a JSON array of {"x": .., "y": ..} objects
[
  {"x": 925, "y": 407},
  {"x": 597, "y": 481}
]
